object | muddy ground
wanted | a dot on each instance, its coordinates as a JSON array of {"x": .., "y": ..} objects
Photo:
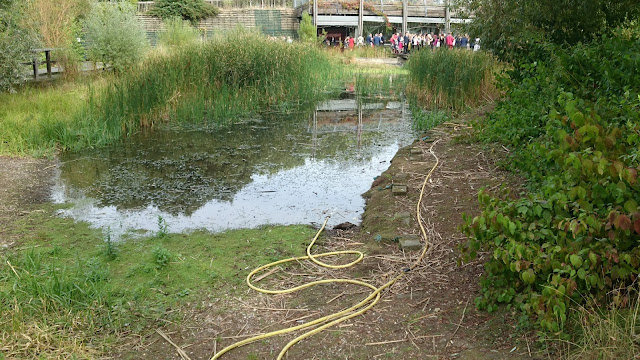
[{"x": 427, "y": 314}]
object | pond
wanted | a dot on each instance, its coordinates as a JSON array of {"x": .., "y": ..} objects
[{"x": 277, "y": 169}]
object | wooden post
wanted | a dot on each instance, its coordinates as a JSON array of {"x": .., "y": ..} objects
[
  {"x": 315, "y": 14},
  {"x": 405, "y": 14},
  {"x": 35, "y": 66},
  {"x": 47, "y": 54},
  {"x": 360, "y": 22},
  {"x": 447, "y": 18}
]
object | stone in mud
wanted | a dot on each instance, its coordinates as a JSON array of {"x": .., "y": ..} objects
[
  {"x": 398, "y": 189},
  {"x": 345, "y": 226},
  {"x": 410, "y": 242},
  {"x": 403, "y": 217},
  {"x": 400, "y": 178},
  {"x": 416, "y": 151}
]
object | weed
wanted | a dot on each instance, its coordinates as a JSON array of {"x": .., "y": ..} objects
[
  {"x": 161, "y": 256},
  {"x": 163, "y": 228},
  {"x": 109, "y": 248}
]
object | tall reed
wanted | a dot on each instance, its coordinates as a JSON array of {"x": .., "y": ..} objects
[
  {"x": 212, "y": 83},
  {"x": 451, "y": 80}
]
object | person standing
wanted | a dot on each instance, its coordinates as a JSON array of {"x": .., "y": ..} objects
[
  {"x": 360, "y": 41},
  {"x": 352, "y": 43},
  {"x": 376, "y": 40},
  {"x": 450, "y": 40},
  {"x": 464, "y": 42},
  {"x": 476, "y": 45},
  {"x": 368, "y": 40}
]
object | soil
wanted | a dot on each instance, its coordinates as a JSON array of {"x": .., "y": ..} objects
[
  {"x": 428, "y": 314},
  {"x": 24, "y": 184}
]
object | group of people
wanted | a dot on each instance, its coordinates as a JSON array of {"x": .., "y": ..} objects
[
  {"x": 351, "y": 42},
  {"x": 403, "y": 44}
]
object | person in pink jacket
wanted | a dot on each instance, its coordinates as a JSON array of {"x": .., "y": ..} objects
[{"x": 450, "y": 39}]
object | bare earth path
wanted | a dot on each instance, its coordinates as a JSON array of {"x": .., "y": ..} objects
[{"x": 24, "y": 183}]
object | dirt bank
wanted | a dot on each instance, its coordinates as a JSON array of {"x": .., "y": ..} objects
[{"x": 24, "y": 184}]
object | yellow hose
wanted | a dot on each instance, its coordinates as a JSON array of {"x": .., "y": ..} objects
[{"x": 335, "y": 318}]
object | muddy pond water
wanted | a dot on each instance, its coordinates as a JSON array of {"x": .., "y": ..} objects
[{"x": 276, "y": 169}]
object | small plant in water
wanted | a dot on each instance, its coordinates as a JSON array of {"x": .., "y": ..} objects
[
  {"x": 163, "y": 228},
  {"x": 161, "y": 256}
]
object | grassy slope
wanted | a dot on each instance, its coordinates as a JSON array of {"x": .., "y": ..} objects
[{"x": 62, "y": 274}]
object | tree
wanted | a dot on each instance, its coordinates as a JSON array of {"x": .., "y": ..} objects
[
  {"x": 114, "y": 35},
  {"x": 15, "y": 45},
  {"x": 307, "y": 31},
  {"x": 508, "y": 27},
  {"x": 192, "y": 10}
]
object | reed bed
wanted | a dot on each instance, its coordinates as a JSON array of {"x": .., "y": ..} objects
[
  {"x": 217, "y": 82},
  {"x": 451, "y": 80},
  {"x": 213, "y": 83}
]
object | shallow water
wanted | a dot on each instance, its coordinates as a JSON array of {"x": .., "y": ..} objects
[{"x": 293, "y": 169}]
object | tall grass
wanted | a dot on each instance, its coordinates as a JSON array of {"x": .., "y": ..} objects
[
  {"x": 451, "y": 80},
  {"x": 232, "y": 76},
  {"x": 31, "y": 119},
  {"x": 607, "y": 334},
  {"x": 229, "y": 77},
  {"x": 69, "y": 301},
  {"x": 178, "y": 32}
]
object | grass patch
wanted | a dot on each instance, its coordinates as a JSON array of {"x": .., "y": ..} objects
[
  {"x": 72, "y": 297},
  {"x": 30, "y": 119}
]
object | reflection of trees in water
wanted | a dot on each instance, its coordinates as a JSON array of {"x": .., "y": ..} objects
[{"x": 179, "y": 171}]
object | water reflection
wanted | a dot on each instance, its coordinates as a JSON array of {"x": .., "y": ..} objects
[{"x": 273, "y": 170}]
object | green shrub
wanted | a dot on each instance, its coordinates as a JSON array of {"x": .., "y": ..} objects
[
  {"x": 178, "y": 32},
  {"x": 15, "y": 45},
  {"x": 114, "y": 35},
  {"x": 573, "y": 238},
  {"x": 307, "y": 31},
  {"x": 192, "y": 10}
]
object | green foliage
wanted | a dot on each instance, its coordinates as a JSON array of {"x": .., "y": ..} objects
[
  {"x": 178, "y": 32},
  {"x": 114, "y": 35},
  {"x": 163, "y": 228},
  {"x": 215, "y": 83},
  {"x": 15, "y": 45},
  {"x": 161, "y": 257},
  {"x": 109, "y": 248},
  {"x": 513, "y": 29},
  {"x": 451, "y": 80},
  {"x": 572, "y": 238},
  {"x": 307, "y": 31},
  {"x": 191, "y": 10},
  {"x": 426, "y": 120}
]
